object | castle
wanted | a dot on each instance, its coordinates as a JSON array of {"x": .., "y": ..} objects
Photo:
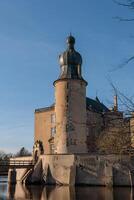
[
  {"x": 74, "y": 121},
  {"x": 65, "y": 150}
]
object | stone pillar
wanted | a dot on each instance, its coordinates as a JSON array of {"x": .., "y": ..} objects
[{"x": 12, "y": 174}]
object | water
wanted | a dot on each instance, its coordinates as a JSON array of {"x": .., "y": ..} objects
[{"x": 21, "y": 192}]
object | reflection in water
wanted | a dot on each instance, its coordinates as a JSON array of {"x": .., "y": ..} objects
[
  {"x": 123, "y": 193},
  {"x": 11, "y": 191},
  {"x": 3, "y": 187},
  {"x": 19, "y": 191},
  {"x": 3, "y": 190},
  {"x": 67, "y": 193}
]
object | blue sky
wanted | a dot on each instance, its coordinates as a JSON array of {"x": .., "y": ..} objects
[{"x": 33, "y": 34}]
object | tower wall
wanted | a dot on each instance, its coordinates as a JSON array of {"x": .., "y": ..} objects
[
  {"x": 132, "y": 130},
  {"x": 70, "y": 109}
]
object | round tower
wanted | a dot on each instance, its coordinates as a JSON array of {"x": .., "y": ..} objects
[{"x": 70, "y": 103}]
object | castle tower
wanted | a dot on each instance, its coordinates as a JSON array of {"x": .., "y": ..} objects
[{"x": 70, "y": 103}]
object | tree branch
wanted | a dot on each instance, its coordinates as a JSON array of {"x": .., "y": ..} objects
[
  {"x": 121, "y": 19},
  {"x": 127, "y": 102},
  {"x": 130, "y": 3},
  {"x": 123, "y": 64}
]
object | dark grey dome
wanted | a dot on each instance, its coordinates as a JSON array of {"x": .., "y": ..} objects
[
  {"x": 70, "y": 56},
  {"x": 70, "y": 62}
]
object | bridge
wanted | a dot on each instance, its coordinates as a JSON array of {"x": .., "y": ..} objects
[{"x": 5, "y": 165}]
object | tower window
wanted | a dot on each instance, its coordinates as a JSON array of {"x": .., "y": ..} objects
[
  {"x": 67, "y": 99},
  {"x": 53, "y": 118},
  {"x": 53, "y": 131},
  {"x": 67, "y": 85}
]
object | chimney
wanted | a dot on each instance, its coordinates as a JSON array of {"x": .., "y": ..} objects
[{"x": 115, "y": 103}]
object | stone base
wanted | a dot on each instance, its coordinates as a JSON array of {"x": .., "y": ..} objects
[{"x": 107, "y": 170}]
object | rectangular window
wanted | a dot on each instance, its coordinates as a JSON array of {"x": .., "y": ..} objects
[
  {"x": 53, "y": 131},
  {"x": 52, "y": 148},
  {"x": 53, "y": 118}
]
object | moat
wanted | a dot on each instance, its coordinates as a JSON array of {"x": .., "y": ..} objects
[{"x": 36, "y": 192}]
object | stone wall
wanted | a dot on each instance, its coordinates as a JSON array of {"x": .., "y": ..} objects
[
  {"x": 132, "y": 129},
  {"x": 85, "y": 169},
  {"x": 100, "y": 170},
  {"x": 94, "y": 128},
  {"x": 56, "y": 169},
  {"x": 43, "y": 125}
]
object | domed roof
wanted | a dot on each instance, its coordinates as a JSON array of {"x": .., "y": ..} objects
[
  {"x": 70, "y": 56},
  {"x": 70, "y": 63}
]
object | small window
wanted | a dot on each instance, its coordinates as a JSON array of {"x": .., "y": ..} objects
[
  {"x": 52, "y": 148},
  {"x": 67, "y": 85},
  {"x": 52, "y": 118},
  {"x": 53, "y": 131},
  {"x": 67, "y": 99},
  {"x": 88, "y": 130}
]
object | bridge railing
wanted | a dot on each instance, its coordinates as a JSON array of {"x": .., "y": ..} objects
[{"x": 16, "y": 163}]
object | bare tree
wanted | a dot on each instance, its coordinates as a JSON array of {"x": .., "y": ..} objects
[
  {"x": 118, "y": 133},
  {"x": 126, "y": 3},
  {"x": 5, "y": 156},
  {"x": 129, "y": 4},
  {"x": 125, "y": 102},
  {"x": 115, "y": 140},
  {"x": 22, "y": 152}
]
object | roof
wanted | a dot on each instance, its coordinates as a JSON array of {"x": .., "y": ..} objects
[
  {"x": 95, "y": 105},
  {"x": 91, "y": 104},
  {"x": 44, "y": 109}
]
